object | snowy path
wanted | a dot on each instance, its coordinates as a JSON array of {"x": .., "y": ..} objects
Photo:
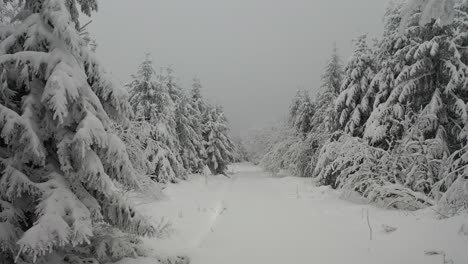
[{"x": 254, "y": 218}]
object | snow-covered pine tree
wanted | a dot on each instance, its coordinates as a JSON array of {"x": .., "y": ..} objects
[
  {"x": 196, "y": 97},
  {"x": 188, "y": 124},
  {"x": 155, "y": 123},
  {"x": 445, "y": 99},
  {"x": 218, "y": 145},
  {"x": 189, "y": 131},
  {"x": 322, "y": 121},
  {"x": 301, "y": 112},
  {"x": 295, "y": 106},
  {"x": 354, "y": 104},
  {"x": 240, "y": 150},
  {"x": 434, "y": 82},
  {"x": 333, "y": 75},
  {"x": 324, "y": 118},
  {"x": 310, "y": 125},
  {"x": 168, "y": 78},
  {"x": 420, "y": 57},
  {"x": 59, "y": 162},
  {"x": 384, "y": 124},
  {"x": 168, "y": 95},
  {"x": 431, "y": 87}
]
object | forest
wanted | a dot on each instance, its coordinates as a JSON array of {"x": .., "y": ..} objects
[
  {"x": 391, "y": 123},
  {"x": 85, "y": 160}
]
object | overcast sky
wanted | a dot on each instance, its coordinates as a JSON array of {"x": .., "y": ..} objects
[{"x": 251, "y": 55}]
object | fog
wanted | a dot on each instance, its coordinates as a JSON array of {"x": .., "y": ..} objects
[{"x": 251, "y": 55}]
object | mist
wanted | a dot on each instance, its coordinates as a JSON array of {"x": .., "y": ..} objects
[{"x": 251, "y": 55}]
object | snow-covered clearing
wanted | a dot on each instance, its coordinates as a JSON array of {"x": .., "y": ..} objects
[{"x": 255, "y": 218}]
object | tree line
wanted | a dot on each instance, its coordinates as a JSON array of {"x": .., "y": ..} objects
[{"x": 391, "y": 124}]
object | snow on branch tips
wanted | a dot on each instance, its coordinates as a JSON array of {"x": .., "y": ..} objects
[{"x": 61, "y": 164}]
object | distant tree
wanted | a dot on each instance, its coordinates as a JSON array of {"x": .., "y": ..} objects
[
  {"x": 189, "y": 131},
  {"x": 171, "y": 82},
  {"x": 240, "y": 151},
  {"x": 333, "y": 75},
  {"x": 219, "y": 147},
  {"x": 259, "y": 141},
  {"x": 325, "y": 117},
  {"x": 196, "y": 97},
  {"x": 301, "y": 112}
]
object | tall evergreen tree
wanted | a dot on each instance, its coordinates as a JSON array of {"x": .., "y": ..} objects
[
  {"x": 322, "y": 121},
  {"x": 356, "y": 98},
  {"x": 189, "y": 131},
  {"x": 170, "y": 81},
  {"x": 196, "y": 97},
  {"x": 301, "y": 112},
  {"x": 58, "y": 160},
  {"x": 218, "y": 145},
  {"x": 155, "y": 122},
  {"x": 324, "y": 118},
  {"x": 333, "y": 75},
  {"x": 433, "y": 80},
  {"x": 384, "y": 124}
]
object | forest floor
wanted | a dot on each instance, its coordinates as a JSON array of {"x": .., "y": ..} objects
[{"x": 254, "y": 218}]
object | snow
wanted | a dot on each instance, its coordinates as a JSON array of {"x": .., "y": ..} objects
[{"x": 253, "y": 217}]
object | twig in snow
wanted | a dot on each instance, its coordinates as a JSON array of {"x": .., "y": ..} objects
[
  {"x": 439, "y": 253},
  {"x": 224, "y": 209},
  {"x": 369, "y": 225},
  {"x": 388, "y": 229},
  {"x": 163, "y": 229},
  {"x": 84, "y": 26},
  {"x": 463, "y": 230},
  {"x": 226, "y": 175}
]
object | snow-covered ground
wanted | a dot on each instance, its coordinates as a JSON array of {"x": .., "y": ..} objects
[{"x": 255, "y": 218}]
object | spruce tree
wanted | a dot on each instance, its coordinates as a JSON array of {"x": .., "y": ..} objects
[
  {"x": 154, "y": 122},
  {"x": 433, "y": 81},
  {"x": 196, "y": 97},
  {"x": 354, "y": 104},
  {"x": 189, "y": 131},
  {"x": 301, "y": 112},
  {"x": 324, "y": 118},
  {"x": 384, "y": 124},
  {"x": 59, "y": 161},
  {"x": 218, "y": 145},
  {"x": 322, "y": 121},
  {"x": 333, "y": 75}
]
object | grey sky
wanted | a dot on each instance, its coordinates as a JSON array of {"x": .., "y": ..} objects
[{"x": 251, "y": 55}]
